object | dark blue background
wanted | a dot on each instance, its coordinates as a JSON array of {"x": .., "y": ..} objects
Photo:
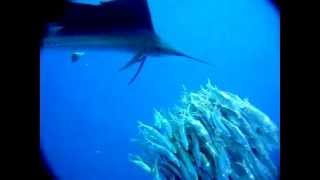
[{"x": 89, "y": 113}]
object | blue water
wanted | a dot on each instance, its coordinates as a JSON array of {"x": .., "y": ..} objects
[{"x": 89, "y": 113}]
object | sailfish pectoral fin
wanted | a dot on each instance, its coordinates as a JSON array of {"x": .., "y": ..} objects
[
  {"x": 136, "y": 58},
  {"x": 143, "y": 60},
  {"x": 139, "y": 57}
]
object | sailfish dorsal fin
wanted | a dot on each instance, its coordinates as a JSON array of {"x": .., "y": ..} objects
[{"x": 108, "y": 16}]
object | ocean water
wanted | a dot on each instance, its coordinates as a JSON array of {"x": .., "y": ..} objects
[{"x": 88, "y": 113}]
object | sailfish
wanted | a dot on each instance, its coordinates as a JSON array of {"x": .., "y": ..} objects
[{"x": 117, "y": 24}]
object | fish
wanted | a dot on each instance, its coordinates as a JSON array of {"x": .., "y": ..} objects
[
  {"x": 164, "y": 152},
  {"x": 187, "y": 161},
  {"x": 155, "y": 135},
  {"x": 163, "y": 124},
  {"x": 123, "y": 25},
  {"x": 76, "y": 55},
  {"x": 195, "y": 149},
  {"x": 140, "y": 162}
]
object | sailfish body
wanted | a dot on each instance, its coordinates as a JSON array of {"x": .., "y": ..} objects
[{"x": 120, "y": 24}]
